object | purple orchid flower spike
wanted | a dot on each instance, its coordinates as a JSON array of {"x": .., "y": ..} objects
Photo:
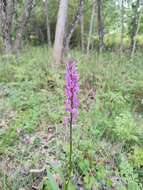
[
  {"x": 72, "y": 104},
  {"x": 71, "y": 91}
]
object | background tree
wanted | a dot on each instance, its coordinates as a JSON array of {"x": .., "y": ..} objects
[
  {"x": 22, "y": 24},
  {"x": 25, "y": 22},
  {"x": 91, "y": 25},
  {"x": 100, "y": 24},
  {"x": 8, "y": 11},
  {"x": 122, "y": 24},
  {"x": 60, "y": 31},
  {"x": 135, "y": 22},
  {"x": 6, "y": 15},
  {"x": 47, "y": 23},
  {"x": 74, "y": 24},
  {"x": 82, "y": 26}
]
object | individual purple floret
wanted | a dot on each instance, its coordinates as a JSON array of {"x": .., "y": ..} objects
[{"x": 71, "y": 91}]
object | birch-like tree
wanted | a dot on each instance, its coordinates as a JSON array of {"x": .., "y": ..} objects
[
  {"x": 100, "y": 24},
  {"x": 91, "y": 25},
  {"x": 60, "y": 31},
  {"x": 137, "y": 13}
]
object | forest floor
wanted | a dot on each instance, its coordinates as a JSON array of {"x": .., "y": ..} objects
[{"x": 107, "y": 139}]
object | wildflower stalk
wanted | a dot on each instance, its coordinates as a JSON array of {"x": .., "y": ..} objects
[
  {"x": 72, "y": 104},
  {"x": 70, "y": 156}
]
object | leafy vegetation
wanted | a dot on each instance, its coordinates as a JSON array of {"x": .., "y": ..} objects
[{"x": 108, "y": 141}]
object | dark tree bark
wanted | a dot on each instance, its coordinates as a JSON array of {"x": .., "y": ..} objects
[
  {"x": 6, "y": 15},
  {"x": 73, "y": 25},
  {"x": 23, "y": 22},
  {"x": 47, "y": 23},
  {"x": 100, "y": 25}
]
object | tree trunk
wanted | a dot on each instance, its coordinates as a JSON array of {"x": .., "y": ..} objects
[
  {"x": 82, "y": 28},
  {"x": 100, "y": 25},
  {"x": 134, "y": 38},
  {"x": 47, "y": 23},
  {"x": 73, "y": 25},
  {"x": 122, "y": 25},
  {"x": 60, "y": 31},
  {"x": 91, "y": 25},
  {"x": 135, "y": 27},
  {"x": 6, "y": 14},
  {"x": 23, "y": 23}
]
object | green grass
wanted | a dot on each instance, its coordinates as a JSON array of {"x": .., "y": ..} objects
[{"x": 108, "y": 141}]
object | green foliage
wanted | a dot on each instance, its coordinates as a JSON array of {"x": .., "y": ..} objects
[
  {"x": 107, "y": 138},
  {"x": 137, "y": 157},
  {"x": 125, "y": 129},
  {"x": 51, "y": 184},
  {"x": 129, "y": 176}
]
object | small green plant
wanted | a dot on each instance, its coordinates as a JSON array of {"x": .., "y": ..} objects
[
  {"x": 137, "y": 157},
  {"x": 129, "y": 177},
  {"x": 125, "y": 127}
]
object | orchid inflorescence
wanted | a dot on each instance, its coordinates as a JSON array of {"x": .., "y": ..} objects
[
  {"x": 71, "y": 91},
  {"x": 72, "y": 104}
]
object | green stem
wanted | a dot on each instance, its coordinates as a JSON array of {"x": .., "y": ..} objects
[{"x": 70, "y": 156}]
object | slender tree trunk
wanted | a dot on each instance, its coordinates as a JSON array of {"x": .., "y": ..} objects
[
  {"x": 91, "y": 25},
  {"x": 23, "y": 23},
  {"x": 135, "y": 27},
  {"x": 134, "y": 38},
  {"x": 47, "y": 23},
  {"x": 100, "y": 25},
  {"x": 60, "y": 31},
  {"x": 82, "y": 28},
  {"x": 6, "y": 14},
  {"x": 73, "y": 25},
  {"x": 122, "y": 25}
]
